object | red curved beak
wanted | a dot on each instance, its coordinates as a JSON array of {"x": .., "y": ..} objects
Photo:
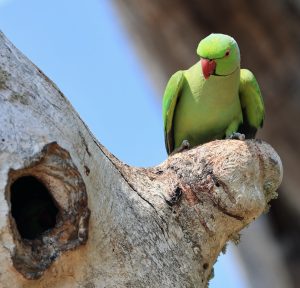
[{"x": 208, "y": 67}]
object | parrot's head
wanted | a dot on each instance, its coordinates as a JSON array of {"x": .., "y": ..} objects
[{"x": 219, "y": 55}]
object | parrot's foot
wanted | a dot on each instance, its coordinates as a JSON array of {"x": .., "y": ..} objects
[
  {"x": 237, "y": 136},
  {"x": 185, "y": 145}
]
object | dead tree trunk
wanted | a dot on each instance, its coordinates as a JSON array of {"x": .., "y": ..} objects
[{"x": 72, "y": 215}]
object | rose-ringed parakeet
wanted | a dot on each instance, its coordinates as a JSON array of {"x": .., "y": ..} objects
[{"x": 214, "y": 99}]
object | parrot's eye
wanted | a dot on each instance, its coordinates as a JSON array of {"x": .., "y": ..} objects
[{"x": 227, "y": 53}]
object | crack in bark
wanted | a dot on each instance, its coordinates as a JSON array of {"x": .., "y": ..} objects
[
  {"x": 224, "y": 211},
  {"x": 119, "y": 169}
]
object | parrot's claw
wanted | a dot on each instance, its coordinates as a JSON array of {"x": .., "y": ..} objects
[
  {"x": 237, "y": 136},
  {"x": 185, "y": 145}
]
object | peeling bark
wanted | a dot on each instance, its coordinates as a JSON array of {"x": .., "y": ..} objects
[{"x": 157, "y": 227}]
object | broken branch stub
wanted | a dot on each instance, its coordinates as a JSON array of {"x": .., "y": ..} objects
[
  {"x": 212, "y": 192},
  {"x": 158, "y": 227}
]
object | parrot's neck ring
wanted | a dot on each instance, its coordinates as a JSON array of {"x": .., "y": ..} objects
[{"x": 219, "y": 75}]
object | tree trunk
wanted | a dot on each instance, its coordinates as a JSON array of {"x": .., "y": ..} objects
[
  {"x": 72, "y": 215},
  {"x": 167, "y": 33}
]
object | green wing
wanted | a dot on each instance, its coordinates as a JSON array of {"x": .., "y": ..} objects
[
  {"x": 252, "y": 104},
  {"x": 171, "y": 95}
]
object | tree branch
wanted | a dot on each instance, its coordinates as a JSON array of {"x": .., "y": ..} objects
[{"x": 157, "y": 227}]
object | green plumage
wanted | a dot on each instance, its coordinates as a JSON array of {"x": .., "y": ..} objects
[{"x": 200, "y": 108}]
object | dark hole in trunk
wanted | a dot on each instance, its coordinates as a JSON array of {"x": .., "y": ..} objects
[{"x": 32, "y": 207}]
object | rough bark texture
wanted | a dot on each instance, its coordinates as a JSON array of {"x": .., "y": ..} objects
[
  {"x": 167, "y": 33},
  {"x": 157, "y": 227}
]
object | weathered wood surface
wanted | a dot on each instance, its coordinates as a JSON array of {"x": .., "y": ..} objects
[{"x": 117, "y": 226}]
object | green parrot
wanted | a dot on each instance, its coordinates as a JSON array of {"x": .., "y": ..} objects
[{"x": 214, "y": 99}]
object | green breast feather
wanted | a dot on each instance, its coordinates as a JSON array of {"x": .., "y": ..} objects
[{"x": 213, "y": 99}]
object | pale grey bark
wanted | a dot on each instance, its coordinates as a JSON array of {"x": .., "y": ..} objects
[{"x": 117, "y": 226}]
